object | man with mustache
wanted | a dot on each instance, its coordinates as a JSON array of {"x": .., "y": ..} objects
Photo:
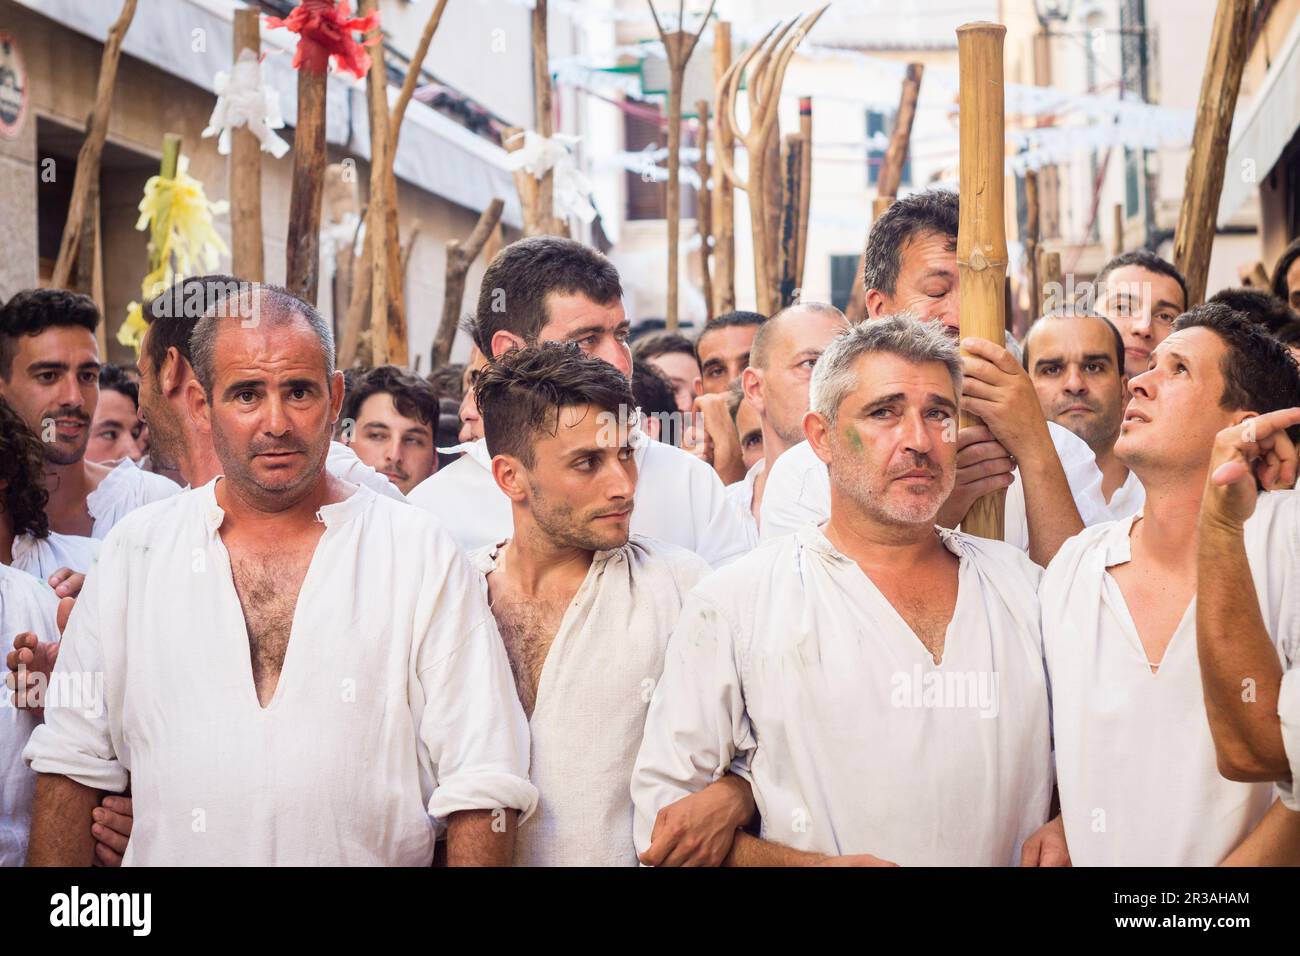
[
  {"x": 812, "y": 665},
  {"x": 394, "y": 420},
  {"x": 1141, "y": 294},
  {"x": 1076, "y": 361},
  {"x": 339, "y": 693},
  {"x": 910, "y": 265},
  {"x": 584, "y": 608},
  {"x": 49, "y": 375},
  {"x": 1139, "y": 781}
]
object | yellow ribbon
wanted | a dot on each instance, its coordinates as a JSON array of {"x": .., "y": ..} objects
[{"x": 178, "y": 215}]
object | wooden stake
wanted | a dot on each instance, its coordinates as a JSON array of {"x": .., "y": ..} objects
[
  {"x": 246, "y": 170},
  {"x": 460, "y": 256},
  {"x": 377, "y": 230},
  {"x": 302, "y": 248},
  {"x": 1031, "y": 243},
  {"x": 1053, "y": 296},
  {"x": 723, "y": 213},
  {"x": 678, "y": 47},
  {"x": 526, "y": 184},
  {"x": 788, "y": 258},
  {"x": 805, "y": 184},
  {"x": 92, "y": 148},
  {"x": 359, "y": 301},
  {"x": 704, "y": 207},
  {"x": 1117, "y": 239},
  {"x": 545, "y": 121},
  {"x": 981, "y": 233},
  {"x": 1220, "y": 84}
]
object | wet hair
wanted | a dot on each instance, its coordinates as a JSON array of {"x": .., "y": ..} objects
[
  {"x": 1144, "y": 259},
  {"x": 413, "y": 397},
  {"x": 32, "y": 311},
  {"x": 932, "y": 211},
  {"x": 22, "y": 467},
  {"x": 521, "y": 393},
  {"x": 114, "y": 378},
  {"x": 1262, "y": 308},
  {"x": 1259, "y": 372},
  {"x": 512, "y": 296}
]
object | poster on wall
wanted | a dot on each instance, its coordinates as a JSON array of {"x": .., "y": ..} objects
[{"x": 13, "y": 88}]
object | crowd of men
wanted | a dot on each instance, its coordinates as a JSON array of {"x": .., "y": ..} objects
[{"x": 590, "y": 601}]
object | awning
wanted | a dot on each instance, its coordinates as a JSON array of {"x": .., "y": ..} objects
[
  {"x": 1262, "y": 134},
  {"x": 192, "y": 40}
]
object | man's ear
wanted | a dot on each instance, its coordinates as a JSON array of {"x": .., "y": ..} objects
[
  {"x": 508, "y": 473},
  {"x": 818, "y": 432},
  {"x": 175, "y": 370},
  {"x": 503, "y": 341},
  {"x": 876, "y": 303},
  {"x": 697, "y": 387},
  {"x": 751, "y": 383},
  {"x": 336, "y": 395},
  {"x": 196, "y": 403}
]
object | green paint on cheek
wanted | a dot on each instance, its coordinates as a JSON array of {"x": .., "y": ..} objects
[{"x": 851, "y": 435}]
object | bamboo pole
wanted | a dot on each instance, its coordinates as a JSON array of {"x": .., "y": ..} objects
[
  {"x": 704, "y": 208},
  {"x": 981, "y": 232},
  {"x": 1220, "y": 84},
  {"x": 377, "y": 229},
  {"x": 1031, "y": 242},
  {"x": 678, "y": 47},
  {"x": 723, "y": 213},
  {"x": 247, "y": 259},
  {"x": 805, "y": 185},
  {"x": 302, "y": 247},
  {"x": 92, "y": 148},
  {"x": 460, "y": 256}
]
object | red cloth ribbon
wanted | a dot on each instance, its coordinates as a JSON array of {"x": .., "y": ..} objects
[{"x": 325, "y": 31}]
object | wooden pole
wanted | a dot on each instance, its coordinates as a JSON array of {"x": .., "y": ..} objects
[
  {"x": 359, "y": 300},
  {"x": 92, "y": 148},
  {"x": 678, "y": 47},
  {"x": 1031, "y": 242},
  {"x": 460, "y": 256},
  {"x": 1220, "y": 84},
  {"x": 805, "y": 185},
  {"x": 704, "y": 207},
  {"x": 526, "y": 184},
  {"x": 788, "y": 259},
  {"x": 981, "y": 231},
  {"x": 1053, "y": 296},
  {"x": 773, "y": 201},
  {"x": 545, "y": 122},
  {"x": 723, "y": 212},
  {"x": 246, "y": 252},
  {"x": 302, "y": 248},
  {"x": 377, "y": 228},
  {"x": 1117, "y": 237}
]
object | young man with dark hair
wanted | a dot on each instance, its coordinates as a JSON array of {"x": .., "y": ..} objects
[
  {"x": 1123, "y": 618},
  {"x": 911, "y": 268},
  {"x": 572, "y": 588},
  {"x": 1141, "y": 294},
  {"x": 674, "y": 355},
  {"x": 653, "y": 394},
  {"x": 550, "y": 289},
  {"x": 393, "y": 425},
  {"x": 1262, "y": 308},
  {"x": 49, "y": 375},
  {"x": 722, "y": 349},
  {"x": 115, "y": 431}
]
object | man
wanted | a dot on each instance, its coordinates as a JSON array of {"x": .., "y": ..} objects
[
  {"x": 775, "y": 383},
  {"x": 384, "y": 728},
  {"x": 471, "y": 426},
  {"x": 550, "y": 289},
  {"x": 722, "y": 349},
  {"x": 1261, "y": 307},
  {"x": 570, "y": 589},
  {"x": 167, "y": 368},
  {"x": 115, "y": 431},
  {"x": 910, "y": 266},
  {"x": 1286, "y": 275},
  {"x": 395, "y": 418},
  {"x": 1141, "y": 294},
  {"x": 1136, "y": 766},
  {"x": 49, "y": 375},
  {"x": 812, "y": 664},
  {"x": 652, "y": 393},
  {"x": 1076, "y": 361},
  {"x": 674, "y": 355}
]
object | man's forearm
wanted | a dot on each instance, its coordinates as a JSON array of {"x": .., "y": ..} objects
[
  {"x": 61, "y": 820},
  {"x": 1275, "y": 842},
  {"x": 481, "y": 837},
  {"x": 749, "y": 850},
  {"x": 1050, "y": 512},
  {"x": 1240, "y": 672}
]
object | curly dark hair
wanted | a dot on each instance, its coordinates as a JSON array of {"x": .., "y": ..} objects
[
  {"x": 32, "y": 311},
  {"x": 413, "y": 397},
  {"x": 521, "y": 392},
  {"x": 22, "y": 469},
  {"x": 113, "y": 378},
  {"x": 1262, "y": 308}
]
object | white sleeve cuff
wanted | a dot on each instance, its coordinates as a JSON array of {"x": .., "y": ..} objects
[{"x": 1288, "y": 710}]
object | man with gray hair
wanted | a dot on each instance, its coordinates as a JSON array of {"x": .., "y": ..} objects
[
  {"x": 294, "y": 669},
  {"x": 811, "y": 667}
]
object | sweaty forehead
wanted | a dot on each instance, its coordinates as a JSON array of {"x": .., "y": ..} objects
[
  {"x": 579, "y": 426},
  {"x": 1069, "y": 337},
  {"x": 928, "y": 252},
  {"x": 568, "y": 311},
  {"x": 282, "y": 346},
  {"x": 66, "y": 343},
  {"x": 1197, "y": 344},
  {"x": 882, "y": 373}
]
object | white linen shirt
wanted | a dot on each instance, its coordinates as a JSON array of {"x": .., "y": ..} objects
[
  {"x": 791, "y": 668},
  {"x": 41, "y": 557},
  {"x": 1135, "y": 759},
  {"x": 679, "y": 499},
  {"x": 125, "y": 488},
  {"x": 592, "y": 698},
  {"x": 395, "y": 706},
  {"x": 740, "y": 495}
]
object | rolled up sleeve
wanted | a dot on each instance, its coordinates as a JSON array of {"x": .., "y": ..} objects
[{"x": 1288, "y": 709}]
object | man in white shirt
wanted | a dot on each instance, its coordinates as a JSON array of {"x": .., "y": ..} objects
[
  {"x": 550, "y": 289},
  {"x": 49, "y": 375},
  {"x": 584, "y": 611},
  {"x": 391, "y": 422},
  {"x": 781, "y": 362},
  {"x": 340, "y": 692},
  {"x": 1136, "y": 765},
  {"x": 1075, "y": 359},
  {"x": 1141, "y": 295},
  {"x": 910, "y": 265},
  {"x": 878, "y": 680}
]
